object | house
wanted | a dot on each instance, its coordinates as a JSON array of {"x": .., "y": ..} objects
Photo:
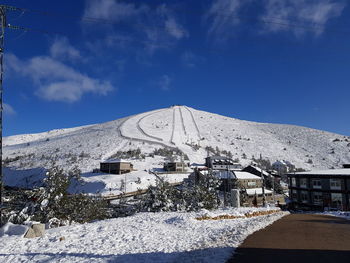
[
  {"x": 321, "y": 190},
  {"x": 247, "y": 182},
  {"x": 117, "y": 166},
  {"x": 221, "y": 163},
  {"x": 256, "y": 171},
  {"x": 175, "y": 166},
  {"x": 283, "y": 166}
]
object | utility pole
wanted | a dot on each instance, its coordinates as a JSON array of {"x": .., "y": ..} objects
[
  {"x": 2, "y": 36},
  {"x": 263, "y": 183}
]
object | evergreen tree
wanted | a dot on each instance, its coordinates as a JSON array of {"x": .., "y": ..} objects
[{"x": 52, "y": 202}]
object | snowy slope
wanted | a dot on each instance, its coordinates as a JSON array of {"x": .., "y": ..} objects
[{"x": 179, "y": 127}]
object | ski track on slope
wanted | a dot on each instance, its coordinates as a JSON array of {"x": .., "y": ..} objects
[
  {"x": 195, "y": 123},
  {"x": 182, "y": 121},
  {"x": 178, "y": 135},
  {"x": 143, "y": 131},
  {"x": 192, "y": 132},
  {"x": 273, "y": 141},
  {"x": 173, "y": 131},
  {"x": 141, "y": 140}
]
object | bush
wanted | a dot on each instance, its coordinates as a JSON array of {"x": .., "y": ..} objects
[
  {"x": 52, "y": 201},
  {"x": 136, "y": 153},
  {"x": 190, "y": 197},
  {"x": 169, "y": 153}
]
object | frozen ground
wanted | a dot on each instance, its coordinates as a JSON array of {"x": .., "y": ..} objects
[
  {"x": 182, "y": 127},
  {"x": 144, "y": 237}
]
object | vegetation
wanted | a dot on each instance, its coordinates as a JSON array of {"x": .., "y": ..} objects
[
  {"x": 135, "y": 153},
  {"x": 190, "y": 197},
  {"x": 53, "y": 203},
  {"x": 169, "y": 153}
]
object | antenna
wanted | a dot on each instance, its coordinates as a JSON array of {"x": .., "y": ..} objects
[
  {"x": 2, "y": 36},
  {"x": 3, "y": 25}
]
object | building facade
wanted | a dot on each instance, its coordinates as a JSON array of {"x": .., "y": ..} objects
[
  {"x": 175, "y": 167},
  {"x": 117, "y": 166},
  {"x": 249, "y": 183},
  {"x": 221, "y": 163},
  {"x": 321, "y": 190}
]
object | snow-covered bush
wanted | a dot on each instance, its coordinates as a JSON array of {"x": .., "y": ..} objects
[
  {"x": 52, "y": 202},
  {"x": 189, "y": 197},
  {"x": 160, "y": 197},
  {"x": 134, "y": 153}
]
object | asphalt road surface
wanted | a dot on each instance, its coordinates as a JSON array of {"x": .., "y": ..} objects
[{"x": 298, "y": 238}]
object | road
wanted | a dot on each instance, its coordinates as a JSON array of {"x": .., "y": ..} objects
[{"x": 298, "y": 238}]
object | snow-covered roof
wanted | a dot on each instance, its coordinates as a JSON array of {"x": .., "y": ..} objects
[
  {"x": 116, "y": 161},
  {"x": 235, "y": 174},
  {"x": 258, "y": 191},
  {"x": 245, "y": 175},
  {"x": 222, "y": 174},
  {"x": 198, "y": 165},
  {"x": 345, "y": 171},
  {"x": 259, "y": 170}
]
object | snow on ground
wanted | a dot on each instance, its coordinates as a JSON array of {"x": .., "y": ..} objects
[
  {"x": 87, "y": 146},
  {"x": 141, "y": 178},
  {"x": 159, "y": 124},
  {"x": 342, "y": 214},
  {"x": 144, "y": 237}
]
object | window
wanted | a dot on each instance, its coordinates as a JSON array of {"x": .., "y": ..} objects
[
  {"x": 294, "y": 182},
  {"x": 335, "y": 184},
  {"x": 337, "y": 200},
  {"x": 294, "y": 195},
  {"x": 304, "y": 196},
  {"x": 303, "y": 182},
  {"x": 317, "y": 198},
  {"x": 252, "y": 183},
  {"x": 316, "y": 183}
]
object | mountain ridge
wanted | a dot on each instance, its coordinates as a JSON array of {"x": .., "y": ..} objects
[{"x": 192, "y": 131}]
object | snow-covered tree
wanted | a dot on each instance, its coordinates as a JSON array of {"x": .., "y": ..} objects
[
  {"x": 160, "y": 197},
  {"x": 54, "y": 202},
  {"x": 189, "y": 197}
]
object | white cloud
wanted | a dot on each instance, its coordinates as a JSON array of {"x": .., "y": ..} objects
[
  {"x": 223, "y": 15},
  {"x": 164, "y": 82},
  {"x": 174, "y": 29},
  {"x": 112, "y": 10},
  {"x": 8, "y": 109},
  {"x": 154, "y": 28},
  {"x": 311, "y": 14},
  {"x": 62, "y": 49},
  {"x": 57, "y": 81}
]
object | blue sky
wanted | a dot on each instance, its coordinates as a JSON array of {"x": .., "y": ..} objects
[{"x": 278, "y": 61}]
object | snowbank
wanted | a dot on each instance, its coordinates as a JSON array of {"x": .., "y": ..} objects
[
  {"x": 342, "y": 214},
  {"x": 145, "y": 237},
  {"x": 10, "y": 229}
]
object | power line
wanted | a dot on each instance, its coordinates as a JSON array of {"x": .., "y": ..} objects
[
  {"x": 151, "y": 43},
  {"x": 269, "y": 20},
  {"x": 26, "y": 29}
]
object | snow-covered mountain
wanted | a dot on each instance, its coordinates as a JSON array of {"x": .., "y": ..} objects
[{"x": 192, "y": 131}]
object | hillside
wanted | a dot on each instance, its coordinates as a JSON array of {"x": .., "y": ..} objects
[{"x": 191, "y": 131}]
